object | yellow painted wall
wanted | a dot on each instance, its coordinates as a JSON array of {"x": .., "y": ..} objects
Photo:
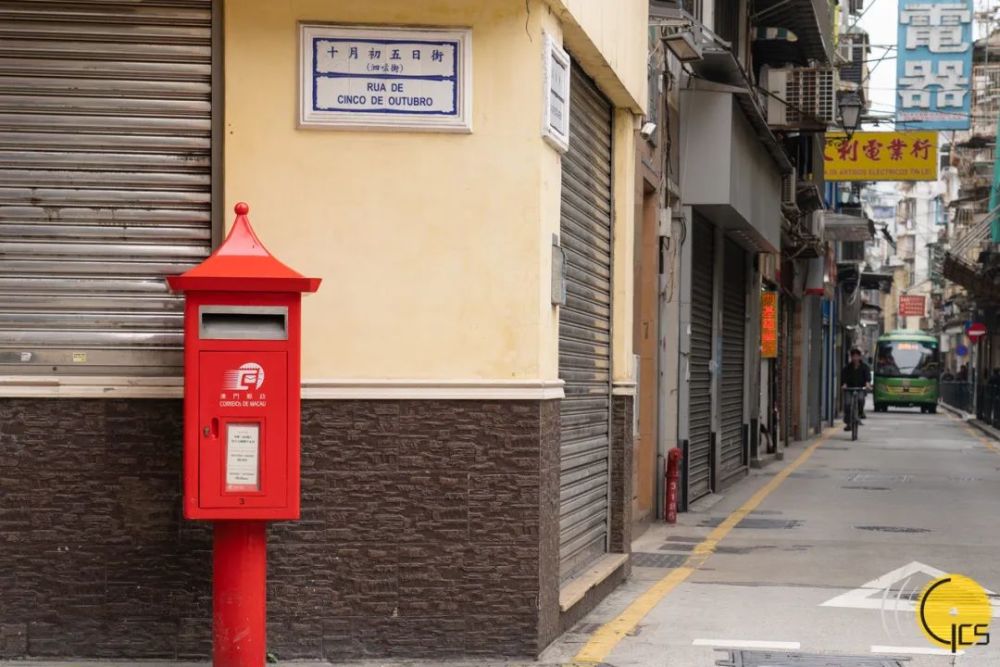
[
  {"x": 434, "y": 248},
  {"x": 609, "y": 38}
]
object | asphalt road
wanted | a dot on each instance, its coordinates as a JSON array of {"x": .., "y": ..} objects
[{"x": 830, "y": 562}]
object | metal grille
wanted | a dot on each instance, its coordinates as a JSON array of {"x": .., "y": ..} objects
[
  {"x": 585, "y": 328},
  {"x": 727, "y": 23},
  {"x": 811, "y": 96},
  {"x": 105, "y": 182},
  {"x": 732, "y": 464},
  {"x": 700, "y": 398},
  {"x": 985, "y": 98}
]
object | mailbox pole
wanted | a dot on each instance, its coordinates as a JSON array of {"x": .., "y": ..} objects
[{"x": 239, "y": 593}]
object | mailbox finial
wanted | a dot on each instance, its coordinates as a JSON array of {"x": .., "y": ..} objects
[{"x": 242, "y": 208}]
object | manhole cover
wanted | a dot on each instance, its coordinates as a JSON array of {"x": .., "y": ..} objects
[
  {"x": 781, "y": 659},
  {"x": 648, "y": 559},
  {"x": 893, "y": 529},
  {"x": 756, "y": 523},
  {"x": 878, "y": 478}
]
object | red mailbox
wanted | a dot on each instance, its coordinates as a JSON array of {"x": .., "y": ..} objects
[{"x": 241, "y": 421}]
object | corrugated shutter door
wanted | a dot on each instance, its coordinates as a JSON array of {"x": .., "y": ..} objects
[
  {"x": 699, "y": 391},
  {"x": 585, "y": 329},
  {"x": 732, "y": 464},
  {"x": 105, "y": 181}
]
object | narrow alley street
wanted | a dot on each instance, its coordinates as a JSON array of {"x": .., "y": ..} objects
[{"x": 914, "y": 496}]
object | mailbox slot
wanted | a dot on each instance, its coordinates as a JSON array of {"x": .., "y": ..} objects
[{"x": 243, "y": 322}]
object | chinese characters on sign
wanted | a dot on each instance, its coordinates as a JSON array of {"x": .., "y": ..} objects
[
  {"x": 911, "y": 305},
  {"x": 768, "y": 325},
  {"x": 934, "y": 65},
  {"x": 391, "y": 78},
  {"x": 881, "y": 156}
]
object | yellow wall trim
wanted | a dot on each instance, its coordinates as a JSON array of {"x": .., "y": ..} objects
[
  {"x": 29, "y": 386},
  {"x": 627, "y": 388},
  {"x": 442, "y": 390},
  {"x": 86, "y": 386}
]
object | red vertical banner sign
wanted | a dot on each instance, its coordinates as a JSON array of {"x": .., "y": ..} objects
[
  {"x": 911, "y": 305},
  {"x": 768, "y": 324}
]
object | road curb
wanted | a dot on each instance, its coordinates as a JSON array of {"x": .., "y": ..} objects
[{"x": 971, "y": 420}]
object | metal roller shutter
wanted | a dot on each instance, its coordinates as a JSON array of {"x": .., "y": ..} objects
[
  {"x": 585, "y": 329},
  {"x": 732, "y": 464},
  {"x": 700, "y": 397},
  {"x": 105, "y": 180}
]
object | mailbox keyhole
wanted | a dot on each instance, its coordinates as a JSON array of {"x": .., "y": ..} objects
[{"x": 213, "y": 430}]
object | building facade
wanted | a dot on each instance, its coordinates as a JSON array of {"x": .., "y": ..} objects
[{"x": 468, "y": 375}]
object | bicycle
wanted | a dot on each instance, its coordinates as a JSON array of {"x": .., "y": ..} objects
[{"x": 856, "y": 395}]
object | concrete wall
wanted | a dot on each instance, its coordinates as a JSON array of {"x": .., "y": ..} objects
[
  {"x": 435, "y": 247},
  {"x": 428, "y": 242},
  {"x": 594, "y": 29}
]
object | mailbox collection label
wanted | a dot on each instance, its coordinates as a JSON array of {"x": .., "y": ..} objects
[{"x": 243, "y": 457}]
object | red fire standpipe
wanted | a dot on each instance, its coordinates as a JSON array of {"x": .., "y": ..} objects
[
  {"x": 239, "y": 594},
  {"x": 673, "y": 476}
]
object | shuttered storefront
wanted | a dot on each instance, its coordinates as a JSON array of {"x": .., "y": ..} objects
[
  {"x": 699, "y": 391},
  {"x": 105, "y": 181},
  {"x": 585, "y": 328},
  {"x": 733, "y": 461}
]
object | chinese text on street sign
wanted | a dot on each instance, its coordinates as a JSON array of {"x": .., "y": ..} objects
[
  {"x": 389, "y": 78},
  {"x": 769, "y": 324},
  {"x": 934, "y": 64},
  {"x": 911, "y": 305},
  {"x": 881, "y": 156}
]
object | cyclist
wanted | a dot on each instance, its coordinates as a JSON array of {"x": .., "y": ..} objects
[{"x": 856, "y": 375}]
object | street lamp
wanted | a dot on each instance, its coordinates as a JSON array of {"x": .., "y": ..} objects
[{"x": 850, "y": 113}]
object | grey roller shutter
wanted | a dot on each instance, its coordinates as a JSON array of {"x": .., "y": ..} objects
[
  {"x": 733, "y": 459},
  {"x": 105, "y": 180},
  {"x": 585, "y": 329},
  {"x": 699, "y": 459}
]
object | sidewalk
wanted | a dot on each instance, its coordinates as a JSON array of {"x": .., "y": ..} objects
[{"x": 971, "y": 420}]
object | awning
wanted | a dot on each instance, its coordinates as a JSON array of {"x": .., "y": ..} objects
[
  {"x": 840, "y": 227},
  {"x": 777, "y": 46},
  {"x": 810, "y": 20}
]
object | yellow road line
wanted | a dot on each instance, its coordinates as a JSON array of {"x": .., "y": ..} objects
[{"x": 604, "y": 640}]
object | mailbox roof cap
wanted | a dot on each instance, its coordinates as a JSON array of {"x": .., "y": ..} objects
[{"x": 242, "y": 264}]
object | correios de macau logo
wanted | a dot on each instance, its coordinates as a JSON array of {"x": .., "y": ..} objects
[
  {"x": 249, "y": 376},
  {"x": 954, "y": 612}
]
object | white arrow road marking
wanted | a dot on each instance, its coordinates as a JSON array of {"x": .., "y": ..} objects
[
  {"x": 876, "y": 594},
  {"x": 913, "y": 650},
  {"x": 747, "y": 643}
]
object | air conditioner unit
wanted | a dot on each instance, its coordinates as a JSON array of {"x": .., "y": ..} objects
[
  {"x": 811, "y": 93},
  {"x": 775, "y": 82},
  {"x": 800, "y": 96},
  {"x": 789, "y": 186},
  {"x": 815, "y": 224}
]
